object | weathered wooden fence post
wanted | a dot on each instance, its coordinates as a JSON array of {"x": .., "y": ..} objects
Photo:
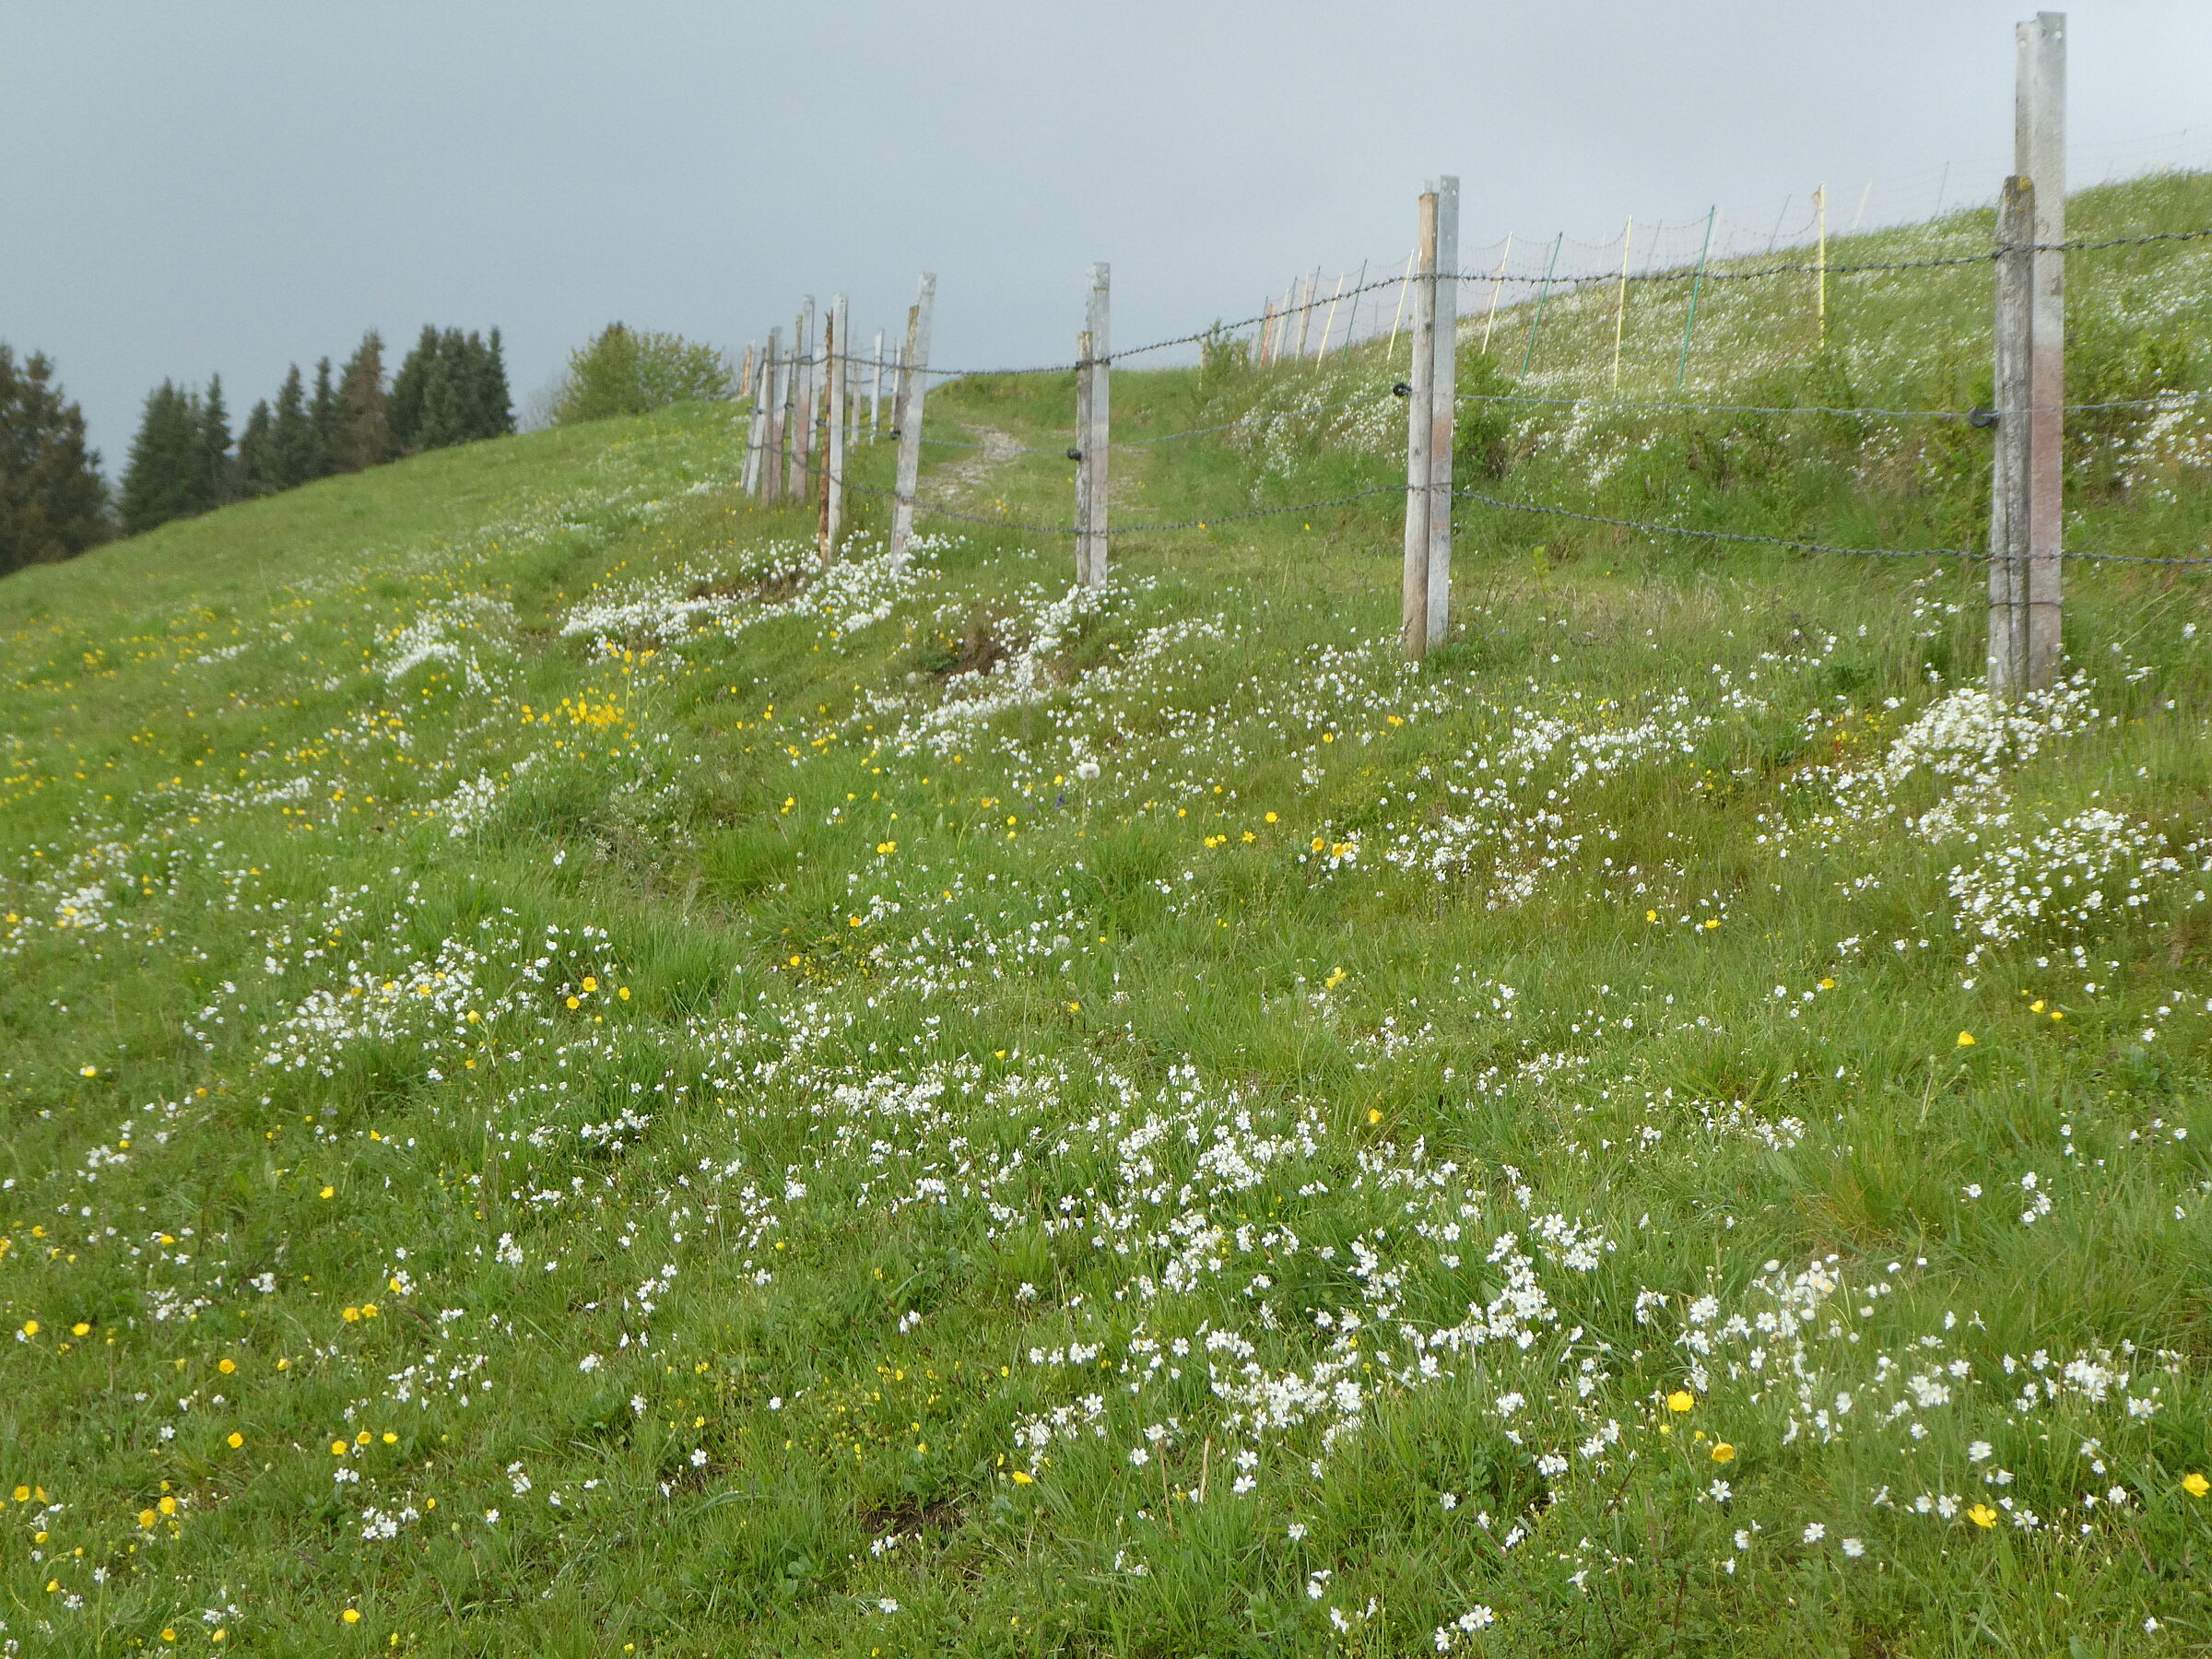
[
  {"x": 876, "y": 391},
  {"x": 833, "y": 430},
  {"x": 1079, "y": 452},
  {"x": 913, "y": 381},
  {"x": 1443, "y": 408},
  {"x": 1413, "y": 630},
  {"x": 1620, "y": 303},
  {"x": 1095, "y": 440},
  {"x": 2040, "y": 147},
  {"x": 803, "y": 403},
  {"x": 779, "y": 418},
  {"x": 897, "y": 392},
  {"x": 756, "y": 438},
  {"x": 2008, "y": 484}
]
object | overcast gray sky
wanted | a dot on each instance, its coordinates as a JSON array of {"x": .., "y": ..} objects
[{"x": 235, "y": 184}]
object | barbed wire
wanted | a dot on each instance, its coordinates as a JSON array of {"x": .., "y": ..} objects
[
  {"x": 972, "y": 518},
  {"x": 2120, "y": 241},
  {"x": 2068, "y": 556},
  {"x": 1696, "y": 408},
  {"x": 1248, "y": 420},
  {"x": 1123, "y": 530},
  {"x": 1726, "y": 535},
  {"x": 2134, "y": 558},
  {"x": 2160, "y": 401},
  {"x": 1132, "y": 443},
  {"x": 1687, "y": 273},
  {"x": 1648, "y": 527},
  {"x": 1217, "y": 329},
  {"x": 1257, "y": 512}
]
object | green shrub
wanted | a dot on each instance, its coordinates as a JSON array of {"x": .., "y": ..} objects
[{"x": 627, "y": 371}]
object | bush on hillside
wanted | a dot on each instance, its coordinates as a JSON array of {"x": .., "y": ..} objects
[{"x": 628, "y": 371}]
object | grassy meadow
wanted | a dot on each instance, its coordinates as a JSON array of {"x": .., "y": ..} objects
[{"x": 576, "y": 1084}]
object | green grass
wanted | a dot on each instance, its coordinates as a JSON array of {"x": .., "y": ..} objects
[{"x": 1193, "y": 1139}]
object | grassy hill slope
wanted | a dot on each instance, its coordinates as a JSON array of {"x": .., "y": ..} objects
[{"x": 573, "y": 1085}]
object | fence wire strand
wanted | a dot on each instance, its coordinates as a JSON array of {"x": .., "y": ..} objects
[
  {"x": 1219, "y": 330},
  {"x": 1684, "y": 273},
  {"x": 1498, "y": 503}
]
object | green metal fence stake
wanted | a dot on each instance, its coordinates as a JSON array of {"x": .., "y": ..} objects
[
  {"x": 1543, "y": 294},
  {"x": 1696, "y": 283}
]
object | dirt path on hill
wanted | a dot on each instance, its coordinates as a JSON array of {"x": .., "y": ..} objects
[{"x": 953, "y": 486}]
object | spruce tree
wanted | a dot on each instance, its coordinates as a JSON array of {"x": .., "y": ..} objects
[
  {"x": 214, "y": 483},
  {"x": 451, "y": 389},
  {"x": 448, "y": 401},
  {"x": 409, "y": 387},
  {"x": 495, "y": 402},
  {"x": 363, "y": 434},
  {"x": 291, "y": 435},
  {"x": 323, "y": 418},
  {"x": 166, "y": 459},
  {"x": 54, "y": 503},
  {"x": 256, "y": 471}
]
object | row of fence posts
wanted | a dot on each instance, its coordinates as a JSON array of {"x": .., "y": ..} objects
[
  {"x": 1274, "y": 343},
  {"x": 2027, "y": 522},
  {"x": 793, "y": 393},
  {"x": 797, "y": 398}
]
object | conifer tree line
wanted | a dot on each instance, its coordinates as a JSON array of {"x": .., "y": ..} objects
[{"x": 451, "y": 389}]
